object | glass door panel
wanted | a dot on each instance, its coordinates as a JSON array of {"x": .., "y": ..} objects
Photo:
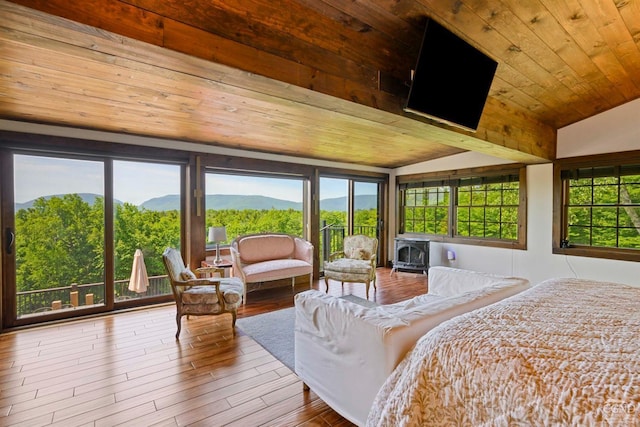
[
  {"x": 146, "y": 218},
  {"x": 334, "y": 218},
  {"x": 347, "y": 207},
  {"x": 247, "y": 204},
  {"x": 365, "y": 207},
  {"x": 59, "y": 235}
]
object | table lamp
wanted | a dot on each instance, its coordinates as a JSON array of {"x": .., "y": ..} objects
[{"x": 217, "y": 235}]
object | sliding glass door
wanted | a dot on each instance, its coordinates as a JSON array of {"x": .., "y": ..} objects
[
  {"x": 76, "y": 227},
  {"x": 146, "y": 221},
  {"x": 58, "y": 234},
  {"x": 347, "y": 206}
]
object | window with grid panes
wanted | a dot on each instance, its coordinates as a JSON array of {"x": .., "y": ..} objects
[
  {"x": 603, "y": 206},
  {"x": 478, "y": 205},
  {"x": 488, "y": 210},
  {"x": 426, "y": 210}
]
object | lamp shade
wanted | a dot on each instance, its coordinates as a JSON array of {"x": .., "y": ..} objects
[{"x": 217, "y": 234}]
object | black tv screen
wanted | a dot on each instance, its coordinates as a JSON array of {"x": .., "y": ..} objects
[{"x": 451, "y": 80}]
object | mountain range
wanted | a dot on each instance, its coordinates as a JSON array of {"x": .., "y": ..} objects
[{"x": 237, "y": 202}]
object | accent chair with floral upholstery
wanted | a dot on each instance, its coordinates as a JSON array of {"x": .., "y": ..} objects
[
  {"x": 355, "y": 263},
  {"x": 206, "y": 296}
]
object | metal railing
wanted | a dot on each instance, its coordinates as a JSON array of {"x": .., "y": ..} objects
[{"x": 41, "y": 300}]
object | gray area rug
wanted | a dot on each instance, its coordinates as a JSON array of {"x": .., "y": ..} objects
[{"x": 274, "y": 330}]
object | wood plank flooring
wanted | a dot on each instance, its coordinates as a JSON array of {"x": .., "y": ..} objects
[{"x": 127, "y": 368}]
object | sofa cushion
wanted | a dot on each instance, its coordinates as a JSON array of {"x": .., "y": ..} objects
[
  {"x": 265, "y": 247},
  {"x": 276, "y": 269}
]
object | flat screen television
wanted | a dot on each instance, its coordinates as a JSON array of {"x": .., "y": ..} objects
[{"x": 451, "y": 80}]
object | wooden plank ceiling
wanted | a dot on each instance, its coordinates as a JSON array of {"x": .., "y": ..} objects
[{"x": 324, "y": 79}]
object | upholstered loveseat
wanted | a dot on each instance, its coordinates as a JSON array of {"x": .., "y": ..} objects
[
  {"x": 266, "y": 257},
  {"x": 344, "y": 351}
]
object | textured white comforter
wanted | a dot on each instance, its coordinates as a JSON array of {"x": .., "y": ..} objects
[{"x": 565, "y": 352}]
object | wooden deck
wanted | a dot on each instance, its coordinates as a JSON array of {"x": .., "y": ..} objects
[{"x": 128, "y": 369}]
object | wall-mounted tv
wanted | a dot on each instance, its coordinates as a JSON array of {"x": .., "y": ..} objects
[{"x": 451, "y": 80}]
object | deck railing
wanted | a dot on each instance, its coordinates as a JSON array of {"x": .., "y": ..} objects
[{"x": 42, "y": 300}]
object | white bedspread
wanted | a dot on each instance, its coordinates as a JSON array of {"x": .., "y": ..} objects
[{"x": 565, "y": 352}]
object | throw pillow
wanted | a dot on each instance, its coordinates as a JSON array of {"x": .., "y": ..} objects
[
  {"x": 187, "y": 274},
  {"x": 359, "y": 253}
]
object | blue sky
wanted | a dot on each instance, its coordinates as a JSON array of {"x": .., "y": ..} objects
[{"x": 137, "y": 182}]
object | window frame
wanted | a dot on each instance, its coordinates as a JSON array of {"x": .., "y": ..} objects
[
  {"x": 304, "y": 184},
  {"x": 449, "y": 179},
  {"x": 560, "y": 196},
  {"x": 55, "y": 146}
]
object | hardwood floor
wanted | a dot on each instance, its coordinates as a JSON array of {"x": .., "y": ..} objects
[{"x": 128, "y": 369}]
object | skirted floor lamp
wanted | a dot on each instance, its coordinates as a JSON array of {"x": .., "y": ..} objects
[{"x": 217, "y": 235}]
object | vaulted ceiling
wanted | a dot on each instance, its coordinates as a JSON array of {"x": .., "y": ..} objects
[{"x": 322, "y": 79}]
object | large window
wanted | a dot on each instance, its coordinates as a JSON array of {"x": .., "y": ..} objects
[
  {"x": 146, "y": 218},
  {"x": 482, "y": 205},
  {"x": 599, "y": 212},
  {"x": 253, "y": 203},
  {"x": 74, "y": 219}
]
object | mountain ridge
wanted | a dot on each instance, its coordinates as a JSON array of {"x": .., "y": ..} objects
[{"x": 231, "y": 202}]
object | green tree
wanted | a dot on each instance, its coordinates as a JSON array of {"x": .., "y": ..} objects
[{"x": 59, "y": 242}]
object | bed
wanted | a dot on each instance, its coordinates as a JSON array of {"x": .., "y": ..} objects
[{"x": 565, "y": 352}]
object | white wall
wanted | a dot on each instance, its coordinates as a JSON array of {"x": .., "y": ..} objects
[{"x": 613, "y": 131}]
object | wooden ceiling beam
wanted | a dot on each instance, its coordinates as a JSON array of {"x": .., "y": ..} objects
[{"x": 505, "y": 130}]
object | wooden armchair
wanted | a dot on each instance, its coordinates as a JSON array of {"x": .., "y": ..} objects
[
  {"x": 198, "y": 297},
  {"x": 355, "y": 263}
]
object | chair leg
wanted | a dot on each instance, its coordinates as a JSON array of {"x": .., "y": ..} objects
[
  {"x": 244, "y": 294},
  {"x": 367, "y": 290},
  {"x": 179, "y": 322},
  {"x": 234, "y": 316},
  {"x": 326, "y": 283}
]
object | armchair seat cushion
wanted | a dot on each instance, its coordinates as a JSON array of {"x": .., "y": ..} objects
[
  {"x": 230, "y": 288},
  {"x": 200, "y": 295},
  {"x": 348, "y": 266}
]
